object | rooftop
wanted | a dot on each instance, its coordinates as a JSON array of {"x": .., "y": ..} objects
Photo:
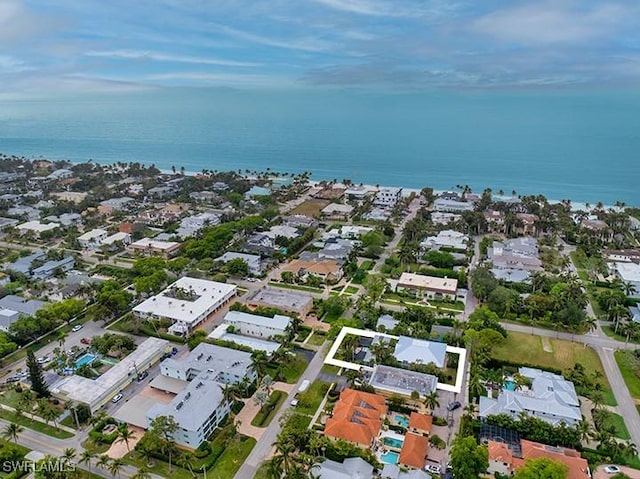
[
  {"x": 279, "y": 321},
  {"x": 402, "y": 381},
  {"x": 199, "y": 295},
  {"x": 445, "y": 285},
  {"x": 356, "y": 417},
  {"x": 280, "y": 298},
  {"x": 412, "y": 350},
  {"x": 414, "y": 450},
  {"x": 154, "y": 244},
  {"x": 209, "y": 357}
]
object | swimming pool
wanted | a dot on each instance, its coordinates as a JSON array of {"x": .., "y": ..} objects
[
  {"x": 85, "y": 359},
  {"x": 393, "y": 442},
  {"x": 402, "y": 420},
  {"x": 390, "y": 457},
  {"x": 510, "y": 385}
]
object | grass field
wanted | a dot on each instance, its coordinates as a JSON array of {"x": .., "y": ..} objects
[
  {"x": 621, "y": 429},
  {"x": 310, "y": 208},
  {"x": 35, "y": 425},
  {"x": 527, "y": 348},
  {"x": 629, "y": 367},
  {"x": 298, "y": 287},
  {"x": 311, "y": 398},
  {"x": 317, "y": 339}
]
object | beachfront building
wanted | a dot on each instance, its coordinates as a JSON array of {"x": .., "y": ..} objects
[
  {"x": 151, "y": 247},
  {"x": 93, "y": 238},
  {"x": 452, "y": 206},
  {"x": 200, "y": 407},
  {"x": 357, "y": 417},
  {"x": 387, "y": 197},
  {"x": 551, "y": 398},
  {"x": 95, "y": 393},
  {"x": 429, "y": 287},
  {"x": 337, "y": 211},
  {"x": 188, "y": 302},
  {"x": 254, "y": 261},
  {"x": 293, "y": 302}
]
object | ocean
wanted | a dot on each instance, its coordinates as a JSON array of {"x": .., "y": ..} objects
[{"x": 582, "y": 145}]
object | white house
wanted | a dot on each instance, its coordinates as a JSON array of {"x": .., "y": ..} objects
[
  {"x": 92, "y": 239},
  {"x": 387, "y": 197},
  {"x": 37, "y": 227},
  {"x": 446, "y": 239},
  {"x": 254, "y": 261},
  {"x": 257, "y": 326}
]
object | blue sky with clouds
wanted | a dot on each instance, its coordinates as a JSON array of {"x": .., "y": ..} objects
[{"x": 112, "y": 44}]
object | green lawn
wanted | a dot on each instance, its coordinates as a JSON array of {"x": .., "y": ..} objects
[
  {"x": 311, "y": 398},
  {"x": 231, "y": 459},
  {"x": 35, "y": 425},
  {"x": 262, "y": 420},
  {"x": 330, "y": 369},
  {"x": 317, "y": 339},
  {"x": 527, "y": 348},
  {"x": 621, "y": 429},
  {"x": 293, "y": 369},
  {"x": 10, "y": 397},
  {"x": 629, "y": 367}
]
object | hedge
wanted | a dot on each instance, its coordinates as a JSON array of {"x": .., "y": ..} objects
[
  {"x": 98, "y": 436},
  {"x": 499, "y": 363}
]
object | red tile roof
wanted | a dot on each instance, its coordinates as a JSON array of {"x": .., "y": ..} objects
[
  {"x": 357, "y": 417},
  {"x": 414, "y": 450},
  {"x": 421, "y": 422}
]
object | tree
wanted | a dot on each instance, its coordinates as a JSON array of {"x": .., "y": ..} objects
[
  {"x": 116, "y": 466},
  {"x": 431, "y": 401},
  {"x": 261, "y": 398},
  {"x": 259, "y": 363},
  {"x": 125, "y": 435},
  {"x": 334, "y": 306},
  {"x": 468, "y": 460},
  {"x": 267, "y": 383},
  {"x": 86, "y": 457},
  {"x": 542, "y": 468},
  {"x": 38, "y": 384},
  {"x": 164, "y": 427},
  {"x": 143, "y": 473},
  {"x": 375, "y": 286},
  {"x": 103, "y": 461},
  {"x": 237, "y": 267},
  {"x": 12, "y": 431}
]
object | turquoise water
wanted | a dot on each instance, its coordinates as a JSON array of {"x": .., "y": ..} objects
[
  {"x": 582, "y": 145},
  {"x": 510, "y": 385},
  {"x": 390, "y": 457},
  {"x": 402, "y": 420},
  {"x": 85, "y": 359},
  {"x": 392, "y": 442}
]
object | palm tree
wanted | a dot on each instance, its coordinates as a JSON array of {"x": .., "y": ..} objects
[
  {"x": 267, "y": 383},
  {"x": 86, "y": 457},
  {"x": 116, "y": 466},
  {"x": 12, "y": 431},
  {"x": 597, "y": 398},
  {"x": 261, "y": 399},
  {"x": 584, "y": 429},
  {"x": 143, "y": 473},
  {"x": 69, "y": 454},
  {"x": 62, "y": 337},
  {"x": 103, "y": 461},
  {"x": 125, "y": 435},
  {"x": 431, "y": 401},
  {"x": 259, "y": 363},
  {"x": 285, "y": 450}
]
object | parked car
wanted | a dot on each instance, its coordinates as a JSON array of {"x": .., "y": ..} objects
[
  {"x": 143, "y": 375},
  {"x": 433, "y": 468},
  {"x": 612, "y": 469},
  {"x": 85, "y": 341},
  {"x": 174, "y": 351},
  {"x": 43, "y": 360},
  {"x": 12, "y": 379},
  {"x": 452, "y": 406},
  {"x": 76, "y": 328},
  {"x": 116, "y": 398}
]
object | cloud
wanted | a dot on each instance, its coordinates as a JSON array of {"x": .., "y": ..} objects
[
  {"x": 163, "y": 57},
  {"x": 309, "y": 44},
  {"x": 556, "y": 21}
]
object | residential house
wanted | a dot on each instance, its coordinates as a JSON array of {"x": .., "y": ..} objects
[
  {"x": 387, "y": 322},
  {"x": 52, "y": 267},
  {"x": 357, "y": 417},
  {"x": 446, "y": 239},
  {"x": 439, "y": 218},
  {"x": 121, "y": 237},
  {"x": 414, "y": 451},
  {"x": 288, "y": 301},
  {"x": 354, "y": 231},
  {"x": 495, "y": 220},
  {"x": 420, "y": 423},
  {"x": 92, "y": 239},
  {"x": 283, "y": 231},
  {"x": 260, "y": 243},
  {"x": 452, "y": 206},
  {"x": 327, "y": 270},
  {"x": 506, "y": 458},
  {"x": 350, "y": 468},
  {"x": 419, "y": 351},
  {"x": 147, "y": 246},
  {"x": 300, "y": 221},
  {"x": 629, "y": 273},
  {"x": 359, "y": 192},
  {"x": 65, "y": 219},
  {"x": 257, "y": 191},
  {"x": 551, "y": 398},
  {"x": 256, "y": 325},
  {"x": 13, "y": 307},
  {"x": 36, "y": 227},
  {"x": 331, "y": 192},
  {"x": 515, "y": 259},
  {"x": 622, "y": 255},
  {"x": 192, "y": 224},
  {"x": 254, "y": 262},
  {"x": 377, "y": 214},
  {"x": 527, "y": 224},
  {"x": 336, "y": 211},
  {"x": 428, "y": 286}
]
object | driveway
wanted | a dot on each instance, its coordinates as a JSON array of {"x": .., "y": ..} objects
[{"x": 600, "y": 474}]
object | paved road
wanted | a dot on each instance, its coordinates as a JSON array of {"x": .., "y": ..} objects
[
  {"x": 626, "y": 404},
  {"x": 262, "y": 449}
]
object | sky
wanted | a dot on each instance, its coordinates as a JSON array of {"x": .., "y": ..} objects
[{"x": 50, "y": 45}]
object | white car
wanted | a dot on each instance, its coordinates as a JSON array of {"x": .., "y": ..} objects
[
  {"x": 612, "y": 469},
  {"x": 433, "y": 468},
  {"x": 116, "y": 398},
  {"x": 76, "y": 328},
  {"x": 43, "y": 360}
]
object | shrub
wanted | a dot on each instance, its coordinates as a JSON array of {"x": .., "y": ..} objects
[
  {"x": 97, "y": 435},
  {"x": 437, "y": 442}
]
